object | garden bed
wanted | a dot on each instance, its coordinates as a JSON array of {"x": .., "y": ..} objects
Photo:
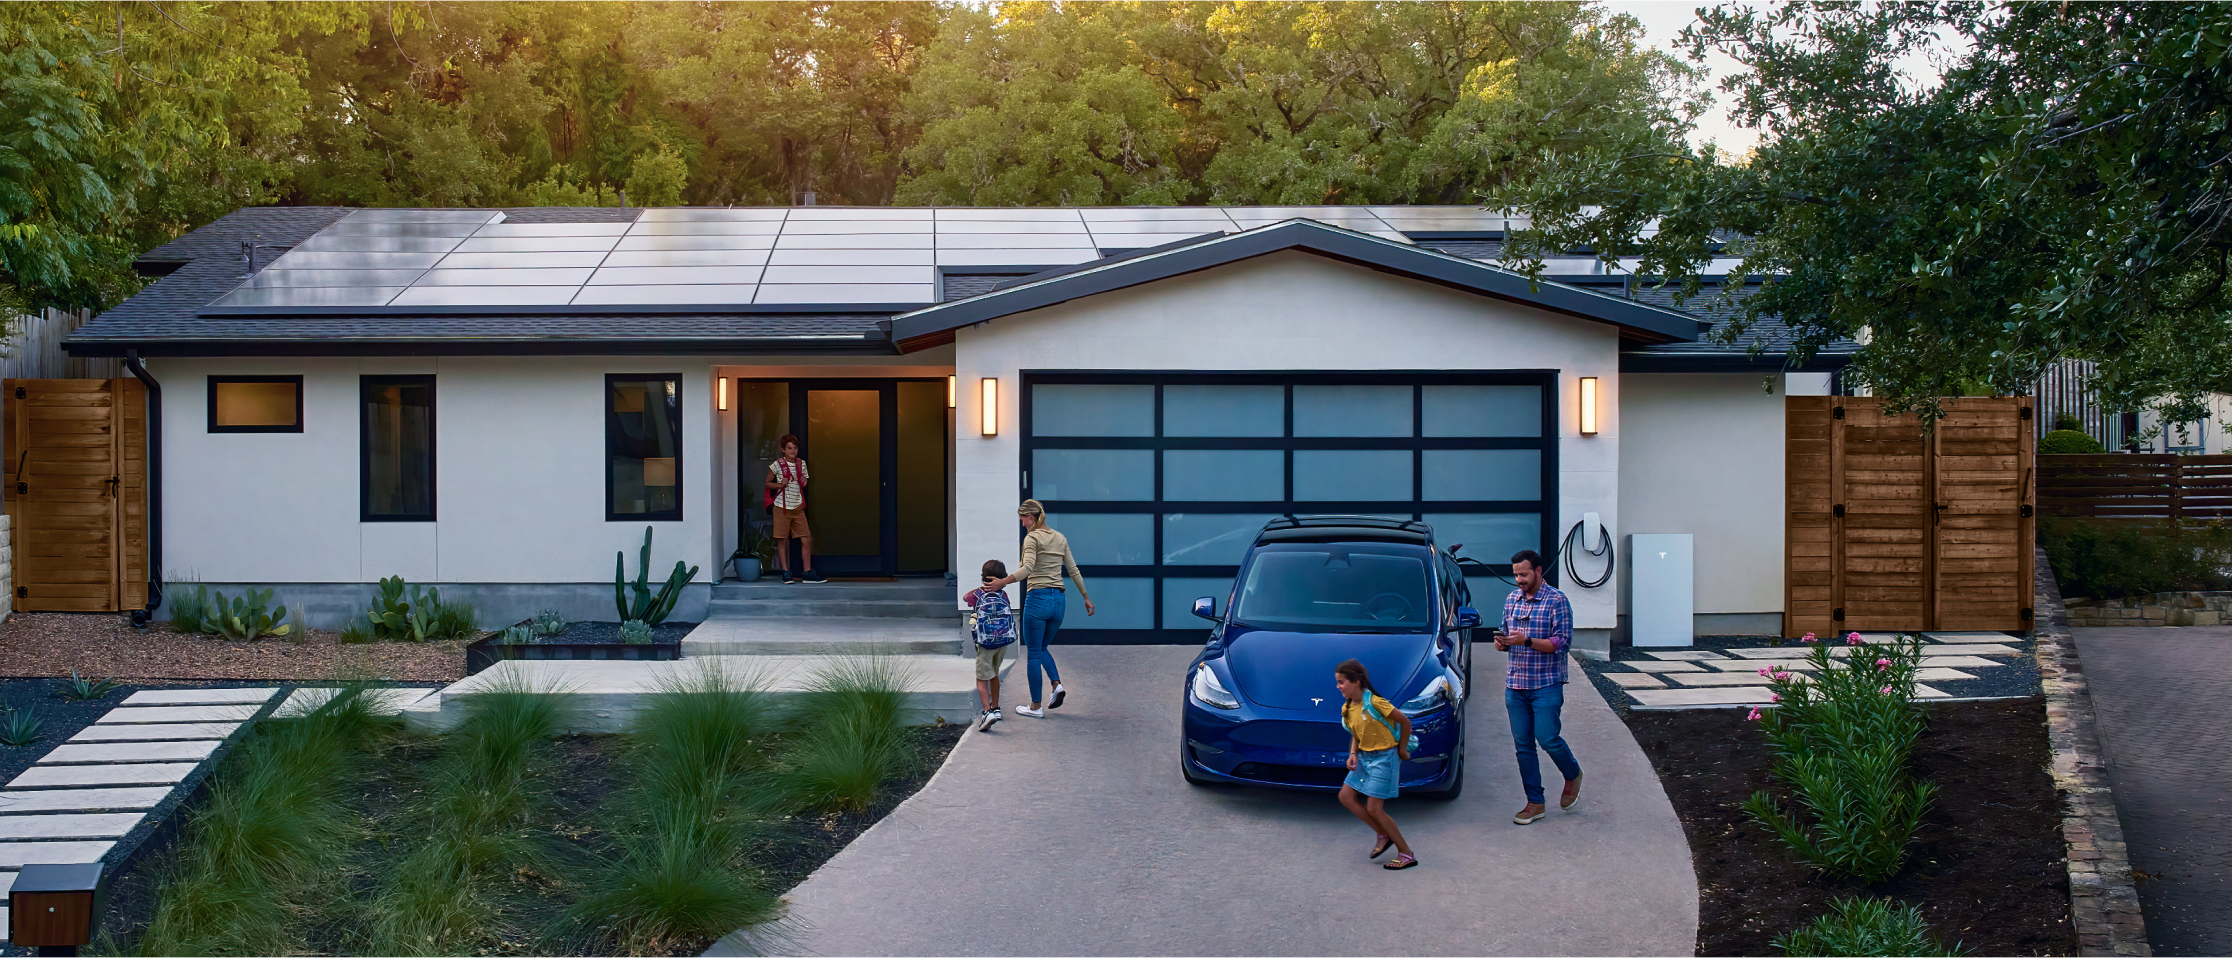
[
  {"x": 580, "y": 640},
  {"x": 105, "y": 644},
  {"x": 1986, "y": 870}
]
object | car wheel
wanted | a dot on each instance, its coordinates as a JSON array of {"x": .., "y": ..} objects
[{"x": 1456, "y": 785}]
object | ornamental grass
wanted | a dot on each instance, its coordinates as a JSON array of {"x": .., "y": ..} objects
[{"x": 1864, "y": 927}]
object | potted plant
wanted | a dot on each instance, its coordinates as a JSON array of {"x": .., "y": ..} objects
[{"x": 755, "y": 553}]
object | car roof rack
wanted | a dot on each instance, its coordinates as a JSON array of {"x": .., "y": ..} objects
[{"x": 1295, "y": 525}]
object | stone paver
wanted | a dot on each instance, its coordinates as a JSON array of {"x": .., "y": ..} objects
[
  {"x": 1635, "y": 680},
  {"x": 82, "y": 799},
  {"x": 2161, "y": 696},
  {"x": 1735, "y": 695},
  {"x": 1927, "y": 674},
  {"x": 97, "y": 732},
  {"x": 130, "y": 752},
  {"x": 1682, "y": 655},
  {"x": 1642, "y": 666},
  {"x": 1960, "y": 662},
  {"x": 380, "y": 701},
  {"x": 19, "y": 854},
  {"x": 163, "y": 773},
  {"x": 1075, "y": 835},
  {"x": 1966, "y": 636},
  {"x": 68, "y": 826},
  {"x": 143, "y": 715},
  {"x": 200, "y": 696},
  {"x": 1720, "y": 678}
]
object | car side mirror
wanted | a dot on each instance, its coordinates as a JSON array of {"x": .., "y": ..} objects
[
  {"x": 1468, "y": 618},
  {"x": 1206, "y": 608}
]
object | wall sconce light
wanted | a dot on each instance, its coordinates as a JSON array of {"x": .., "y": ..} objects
[
  {"x": 1588, "y": 405},
  {"x": 720, "y": 392},
  {"x": 949, "y": 392},
  {"x": 991, "y": 406}
]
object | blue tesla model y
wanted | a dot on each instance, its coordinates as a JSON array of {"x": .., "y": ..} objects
[{"x": 1260, "y": 704}]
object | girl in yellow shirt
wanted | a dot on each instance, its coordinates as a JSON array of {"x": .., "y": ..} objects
[{"x": 1379, "y": 736}]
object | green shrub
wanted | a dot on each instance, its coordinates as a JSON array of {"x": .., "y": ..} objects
[
  {"x": 2067, "y": 442},
  {"x": 190, "y": 610},
  {"x": 2067, "y": 422},
  {"x": 1841, "y": 742},
  {"x": 847, "y": 737},
  {"x": 20, "y": 728},
  {"x": 80, "y": 689},
  {"x": 648, "y": 608},
  {"x": 2115, "y": 560},
  {"x": 404, "y": 613},
  {"x": 1864, "y": 926}
]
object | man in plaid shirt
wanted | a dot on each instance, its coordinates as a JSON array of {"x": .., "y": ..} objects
[{"x": 1537, "y": 628}]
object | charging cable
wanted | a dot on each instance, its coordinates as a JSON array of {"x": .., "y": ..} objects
[{"x": 1565, "y": 551}]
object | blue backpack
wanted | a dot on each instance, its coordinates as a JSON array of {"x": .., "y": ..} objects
[{"x": 995, "y": 621}]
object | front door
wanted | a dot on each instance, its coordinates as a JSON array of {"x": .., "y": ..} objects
[{"x": 876, "y": 502}]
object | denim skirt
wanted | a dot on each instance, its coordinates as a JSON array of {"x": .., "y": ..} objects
[{"x": 1375, "y": 774}]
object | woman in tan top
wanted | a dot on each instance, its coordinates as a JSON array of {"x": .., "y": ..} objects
[{"x": 1046, "y": 557}]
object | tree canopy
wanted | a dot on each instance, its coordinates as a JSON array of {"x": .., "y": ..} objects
[
  {"x": 124, "y": 124},
  {"x": 2062, "y": 193}
]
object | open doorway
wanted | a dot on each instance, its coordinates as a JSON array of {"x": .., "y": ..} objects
[{"x": 876, "y": 448}]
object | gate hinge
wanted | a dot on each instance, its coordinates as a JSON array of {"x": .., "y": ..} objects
[
  {"x": 2026, "y": 615},
  {"x": 23, "y": 592},
  {"x": 1837, "y": 614},
  {"x": 19, "y": 392},
  {"x": 1837, "y": 413},
  {"x": 2026, "y": 413},
  {"x": 23, "y": 488},
  {"x": 2025, "y": 511},
  {"x": 1837, "y": 510}
]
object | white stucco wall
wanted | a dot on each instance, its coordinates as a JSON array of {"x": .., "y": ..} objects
[
  {"x": 1287, "y": 311},
  {"x": 1703, "y": 454}
]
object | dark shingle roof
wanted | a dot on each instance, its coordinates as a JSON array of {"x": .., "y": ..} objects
[{"x": 274, "y": 225}]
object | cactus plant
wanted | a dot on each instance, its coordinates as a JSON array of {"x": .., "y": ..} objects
[
  {"x": 647, "y": 608},
  {"x": 635, "y": 632},
  {"x": 248, "y": 616},
  {"x": 397, "y": 616},
  {"x": 549, "y": 622}
]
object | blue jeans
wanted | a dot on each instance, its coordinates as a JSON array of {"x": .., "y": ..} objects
[
  {"x": 1534, "y": 719},
  {"x": 1042, "y": 619}
]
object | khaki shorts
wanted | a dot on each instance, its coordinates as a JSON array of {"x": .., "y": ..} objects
[
  {"x": 791, "y": 523},
  {"x": 988, "y": 662}
]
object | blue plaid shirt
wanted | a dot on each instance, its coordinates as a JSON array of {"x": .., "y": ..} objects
[{"x": 1545, "y": 616}]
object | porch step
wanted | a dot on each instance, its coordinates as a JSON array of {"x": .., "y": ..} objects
[
  {"x": 935, "y": 589},
  {"x": 825, "y": 635},
  {"x": 797, "y": 606}
]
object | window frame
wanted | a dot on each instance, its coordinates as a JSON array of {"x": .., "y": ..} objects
[
  {"x": 681, "y": 435},
  {"x": 365, "y": 385},
  {"x": 215, "y": 381}
]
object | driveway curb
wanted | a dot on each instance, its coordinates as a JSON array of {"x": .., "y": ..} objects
[{"x": 2103, "y": 902}]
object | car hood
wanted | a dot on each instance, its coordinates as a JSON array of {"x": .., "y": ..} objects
[{"x": 1287, "y": 670}]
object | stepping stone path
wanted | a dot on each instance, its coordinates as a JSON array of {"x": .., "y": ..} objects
[
  {"x": 74, "y": 804},
  {"x": 1698, "y": 678}
]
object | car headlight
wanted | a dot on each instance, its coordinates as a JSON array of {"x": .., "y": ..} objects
[
  {"x": 1210, "y": 692},
  {"x": 1437, "y": 694}
]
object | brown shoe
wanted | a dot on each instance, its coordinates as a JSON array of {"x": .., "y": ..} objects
[
  {"x": 1529, "y": 815},
  {"x": 1572, "y": 795}
]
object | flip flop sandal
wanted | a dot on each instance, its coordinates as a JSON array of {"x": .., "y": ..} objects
[
  {"x": 1385, "y": 843},
  {"x": 1401, "y": 862}
]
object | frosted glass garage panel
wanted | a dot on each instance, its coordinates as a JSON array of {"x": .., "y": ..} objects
[
  {"x": 1117, "y": 604},
  {"x": 1352, "y": 411},
  {"x": 1224, "y": 410},
  {"x": 1350, "y": 474},
  {"x": 1102, "y": 538},
  {"x": 1482, "y": 474},
  {"x": 1209, "y": 538},
  {"x": 1224, "y": 475},
  {"x": 1488, "y": 537},
  {"x": 1092, "y": 410},
  {"x": 1481, "y": 411},
  {"x": 1095, "y": 475},
  {"x": 1178, "y": 599}
]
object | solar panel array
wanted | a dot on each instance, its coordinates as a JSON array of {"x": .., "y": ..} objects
[{"x": 819, "y": 255}]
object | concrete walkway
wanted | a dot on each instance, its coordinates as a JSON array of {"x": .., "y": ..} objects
[
  {"x": 2160, "y": 694},
  {"x": 1074, "y": 835}
]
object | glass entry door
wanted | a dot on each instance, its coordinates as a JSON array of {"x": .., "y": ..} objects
[{"x": 876, "y": 499}]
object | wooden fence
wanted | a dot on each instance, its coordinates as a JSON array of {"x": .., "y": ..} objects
[{"x": 2136, "y": 487}]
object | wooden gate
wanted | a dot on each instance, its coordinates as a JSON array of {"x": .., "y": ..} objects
[
  {"x": 1891, "y": 529},
  {"x": 76, "y": 452}
]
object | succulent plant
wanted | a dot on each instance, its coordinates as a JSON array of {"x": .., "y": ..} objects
[
  {"x": 635, "y": 632},
  {"x": 249, "y": 616},
  {"x": 77, "y": 688},
  {"x": 517, "y": 635},
  {"x": 20, "y": 728},
  {"x": 549, "y": 622}
]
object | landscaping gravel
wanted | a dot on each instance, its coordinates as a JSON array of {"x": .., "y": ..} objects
[
  {"x": 106, "y": 645},
  {"x": 2017, "y": 677}
]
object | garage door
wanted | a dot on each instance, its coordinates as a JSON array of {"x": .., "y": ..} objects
[{"x": 1161, "y": 480}]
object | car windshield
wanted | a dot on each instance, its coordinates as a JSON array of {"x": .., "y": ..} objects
[{"x": 1335, "y": 587}]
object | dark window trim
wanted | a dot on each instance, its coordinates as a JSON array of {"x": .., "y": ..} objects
[
  {"x": 365, "y": 385},
  {"x": 215, "y": 381},
  {"x": 1551, "y": 382},
  {"x": 681, "y": 438}
]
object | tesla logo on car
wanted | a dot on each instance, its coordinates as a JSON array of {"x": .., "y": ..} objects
[{"x": 1316, "y": 701}]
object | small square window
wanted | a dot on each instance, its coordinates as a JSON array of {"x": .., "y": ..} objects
[{"x": 255, "y": 404}]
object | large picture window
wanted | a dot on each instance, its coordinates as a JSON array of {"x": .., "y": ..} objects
[
  {"x": 643, "y": 447},
  {"x": 1161, "y": 480},
  {"x": 397, "y": 448}
]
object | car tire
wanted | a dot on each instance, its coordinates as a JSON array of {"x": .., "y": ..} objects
[{"x": 1456, "y": 786}]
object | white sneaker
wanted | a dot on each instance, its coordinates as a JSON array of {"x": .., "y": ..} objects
[
  {"x": 987, "y": 720},
  {"x": 1027, "y": 710},
  {"x": 1060, "y": 693}
]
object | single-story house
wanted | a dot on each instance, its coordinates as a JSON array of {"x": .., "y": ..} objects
[{"x": 497, "y": 400}]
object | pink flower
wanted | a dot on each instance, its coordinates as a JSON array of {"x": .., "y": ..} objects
[
  {"x": 1882, "y": 664},
  {"x": 1808, "y": 637},
  {"x": 1886, "y": 690},
  {"x": 1766, "y": 671},
  {"x": 1754, "y": 716},
  {"x": 1853, "y": 639},
  {"x": 1774, "y": 696},
  {"x": 1782, "y": 675}
]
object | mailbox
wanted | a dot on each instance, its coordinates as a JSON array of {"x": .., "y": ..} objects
[{"x": 50, "y": 907}]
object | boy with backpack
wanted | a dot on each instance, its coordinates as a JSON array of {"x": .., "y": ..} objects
[{"x": 992, "y": 632}]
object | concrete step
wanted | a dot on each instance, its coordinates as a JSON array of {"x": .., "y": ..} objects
[
  {"x": 918, "y": 589},
  {"x": 795, "y": 605},
  {"x": 604, "y": 696},
  {"x": 825, "y": 634}
]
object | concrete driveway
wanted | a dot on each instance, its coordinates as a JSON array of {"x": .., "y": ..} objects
[{"x": 1074, "y": 835}]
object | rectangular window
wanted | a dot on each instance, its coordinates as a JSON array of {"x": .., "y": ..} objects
[
  {"x": 643, "y": 447},
  {"x": 397, "y": 448},
  {"x": 255, "y": 404}
]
